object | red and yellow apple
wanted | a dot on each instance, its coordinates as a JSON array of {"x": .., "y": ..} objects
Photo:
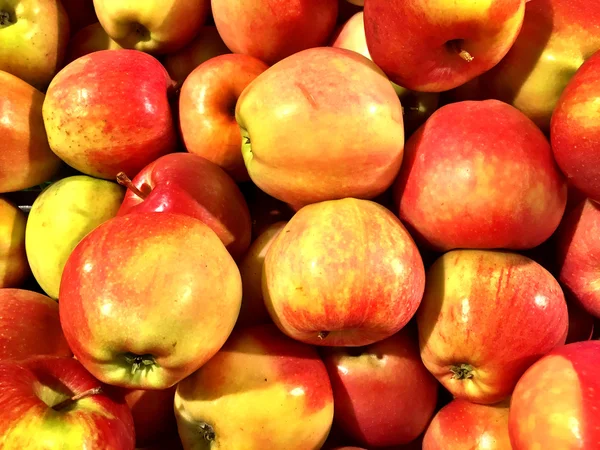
[
  {"x": 383, "y": 394},
  {"x": 480, "y": 174},
  {"x": 184, "y": 183},
  {"x": 555, "y": 403},
  {"x": 262, "y": 390},
  {"x": 271, "y": 30},
  {"x": 486, "y": 316},
  {"x": 434, "y": 46},
  {"x": 109, "y": 111},
  {"x": 29, "y": 326},
  {"x": 14, "y": 268},
  {"x": 304, "y": 142},
  {"x": 25, "y": 157},
  {"x": 147, "y": 298},
  {"x": 207, "y": 110},
  {"x": 90, "y": 39},
  {"x": 342, "y": 273}
]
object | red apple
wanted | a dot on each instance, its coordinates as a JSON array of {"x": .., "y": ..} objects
[
  {"x": 253, "y": 310},
  {"x": 462, "y": 425},
  {"x": 303, "y": 127},
  {"x": 433, "y": 46},
  {"x": 575, "y": 129},
  {"x": 262, "y": 390},
  {"x": 271, "y": 30},
  {"x": 480, "y": 175},
  {"x": 109, "y": 111},
  {"x": 555, "y": 403},
  {"x": 383, "y": 394},
  {"x": 343, "y": 273},
  {"x": 581, "y": 323},
  {"x": 486, "y": 316},
  {"x": 53, "y": 402},
  {"x": 578, "y": 255},
  {"x": 90, "y": 39},
  {"x": 14, "y": 267},
  {"x": 25, "y": 157},
  {"x": 29, "y": 326},
  {"x": 207, "y": 110},
  {"x": 188, "y": 184},
  {"x": 147, "y": 298}
]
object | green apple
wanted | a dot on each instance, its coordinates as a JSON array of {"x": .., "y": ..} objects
[{"x": 60, "y": 217}]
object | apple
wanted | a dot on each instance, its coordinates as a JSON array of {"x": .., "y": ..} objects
[
  {"x": 30, "y": 161},
  {"x": 436, "y": 46},
  {"x": 34, "y": 36},
  {"x": 578, "y": 255},
  {"x": 271, "y": 30},
  {"x": 253, "y": 310},
  {"x": 14, "y": 268},
  {"x": 346, "y": 10},
  {"x": 90, "y": 39},
  {"x": 485, "y": 317},
  {"x": 207, "y": 110},
  {"x": 81, "y": 13},
  {"x": 29, "y": 326},
  {"x": 207, "y": 44},
  {"x": 462, "y": 425},
  {"x": 188, "y": 184},
  {"x": 261, "y": 390},
  {"x": 575, "y": 129},
  {"x": 147, "y": 298},
  {"x": 383, "y": 394},
  {"x": 53, "y": 402},
  {"x": 154, "y": 26},
  {"x": 342, "y": 273},
  {"x": 581, "y": 323},
  {"x": 480, "y": 174},
  {"x": 555, "y": 402},
  {"x": 329, "y": 152},
  {"x": 556, "y": 38},
  {"x": 109, "y": 111}
]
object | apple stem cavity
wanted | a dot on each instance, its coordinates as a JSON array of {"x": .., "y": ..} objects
[
  {"x": 70, "y": 401},
  {"x": 322, "y": 335},
  {"x": 456, "y": 46},
  {"x": 5, "y": 18},
  {"x": 124, "y": 180},
  {"x": 462, "y": 372},
  {"x": 139, "y": 362}
]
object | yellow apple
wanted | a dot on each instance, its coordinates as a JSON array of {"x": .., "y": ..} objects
[{"x": 87, "y": 40}]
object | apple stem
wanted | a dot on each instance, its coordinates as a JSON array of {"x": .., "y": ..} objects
[
  {"x": 68, "y": 402},
  {"x": 456, "y": 46},
  {"x": 124, "y": 180},
  {"x": 323, "y": 334},
  {"x": 462, "y": 372},
  {"x": 465, "y": 55}
]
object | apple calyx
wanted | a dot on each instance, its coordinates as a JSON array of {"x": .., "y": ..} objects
[
  {"x": 455, "y": 46},
  {"x": 246, "y": 142},
  {"x": 207, "y": 432},
  {"x": 6, "y": 18},
  {"x": 323, "y": 334},
  {"x": 462, "y": 371},
  {"x": 71, "y": 401},
  {"x": 139, "y": 362},
  {"x": 124, "y": 180}
]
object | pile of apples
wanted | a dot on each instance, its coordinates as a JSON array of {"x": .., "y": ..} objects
[{"x": 299, "y": 224}]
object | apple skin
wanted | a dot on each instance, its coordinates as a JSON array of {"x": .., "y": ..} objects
[
  {"x": 575, "y": 129},
  {"x": 34, "y": 40},
  {"x": 556, "y": 38},
  {"x": 207, "y": 110},
  {"x": 329, "y": 153},
  {"x": 14, "y": 268},
  {"x": 144, "y": 285},
  {"x": 29, "y": 389},
  {"x": 383, "y": 394},
  {"x": 29, "y": 326},
  {"x": 462, "y": 425},
  {"x": 188, "y": 184},
  {"x": 410, "y": 40},
  {"x": 578, "y": 255},
  {"x": 206, "y": 45},
  {"x": 109, "y": 111},
  {"x": 60, "y": 217},
  {"x": 272, "y": 30},
  {"x": 89, "y": 39},
  {"x": 417, "y": 107},
  {"x": 153, "y": 26},
  {"x": 257, "y": 367},
  {"x": 253, "y": 310},
  {"x": 323, "y": 285},
  {"x": 497, "y": 312},
  {"x": 30, "y": 161},
  {"x": 480, "y": 174},
  {"x": 561, "y": 393}
]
